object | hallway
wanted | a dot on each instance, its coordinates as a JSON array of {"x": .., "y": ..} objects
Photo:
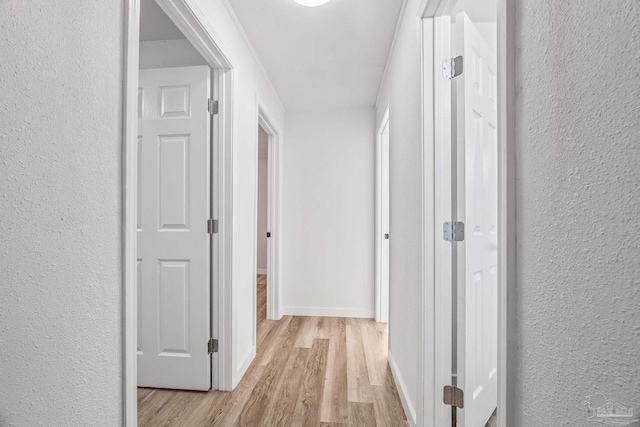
[{"x": 308, "y": 371}]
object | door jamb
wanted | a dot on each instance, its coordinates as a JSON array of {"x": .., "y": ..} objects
[
  {"x": 273, "y": 216},
  {"x": 381, "y": 297},
  {"x": 434, "y": 173},
  {"x": 198, "y": 31}
]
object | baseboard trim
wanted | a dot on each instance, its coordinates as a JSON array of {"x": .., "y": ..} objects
[
  {"x": 244, "y": 365},
  {"x": 261, "y": 271},
  {"x": 366, "y": 313},
  {"x": 402, "y": 391}
]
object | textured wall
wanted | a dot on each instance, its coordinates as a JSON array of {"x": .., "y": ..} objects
[
  {"x": 60, "y": 269},
  {"x": 578, "y": 207}
]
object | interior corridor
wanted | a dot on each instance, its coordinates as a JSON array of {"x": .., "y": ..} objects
[{"x": 308, "y": 371}]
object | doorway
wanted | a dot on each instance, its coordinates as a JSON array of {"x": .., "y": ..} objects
[
  {"x": 267, "y": 220},
  {"x": 263, "y": 234},
  {"x": 382, "y": 220},
  {"x": 174, "y": 72},
  {"x": 465, "y": 99}
]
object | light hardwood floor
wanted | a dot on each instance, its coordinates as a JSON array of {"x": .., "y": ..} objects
[
  {"x": 308, "y": 371},
  {"x": 262, "y": 298}
]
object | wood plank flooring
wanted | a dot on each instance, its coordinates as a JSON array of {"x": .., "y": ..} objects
[
  {"x": 262, "y": 298},
  {"x": 308, "y": 371}
]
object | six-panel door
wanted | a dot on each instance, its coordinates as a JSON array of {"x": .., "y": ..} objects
[
  {"x": 477, "y": 205},
  {"x": 173, "y": 243}
]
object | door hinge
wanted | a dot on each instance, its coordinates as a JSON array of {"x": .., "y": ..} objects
[
  {"x": 453, "y": 231},
  {"x": 386, "y": 236},
  {"x": 212, "y": 346},
  {"x": 212, "y": 107},
  {"x": 453, "y": 396},
  {"x": 268, "y": 234},
  {"x": 452, "y": 67},
  {"x": 212, "y": 226}
]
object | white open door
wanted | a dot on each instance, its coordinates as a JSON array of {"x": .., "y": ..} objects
[
  {"x": 477, "y": 206},
  {"x": 173, "y": 242}
]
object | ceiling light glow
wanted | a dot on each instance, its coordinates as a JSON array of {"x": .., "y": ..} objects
[{"x": 311, "y": 3}]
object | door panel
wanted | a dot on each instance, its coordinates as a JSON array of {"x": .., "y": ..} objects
[
  {"x": 477, "y": 189},
  {"x": 173, "y": 244}
]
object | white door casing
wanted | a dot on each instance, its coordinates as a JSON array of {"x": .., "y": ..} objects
[
  {"x": 384, "y": 286},
  {"x": 173, "y": 242},
  {"x": 382, "y": 221},
  {"x": 477, "y": 207}
]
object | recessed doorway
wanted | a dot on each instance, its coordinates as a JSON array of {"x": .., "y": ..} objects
[
  {"x": 263, "y": 234},
  {"x": 383, "y": 234},
  {"x": 267, "y": 222}
]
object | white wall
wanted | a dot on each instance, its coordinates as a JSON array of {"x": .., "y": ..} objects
[
  {"x": 401, "y": 91},
  {"x": 328, "y": 213},
  {"x": 263, "y": 199},
  {"x": 169, "y": 53},
  {"x": 578, "y": 202},
  {"x": 250, "y": 89},
  {"x": 60, "y": 233}
]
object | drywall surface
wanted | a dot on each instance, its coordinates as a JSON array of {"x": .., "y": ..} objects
[
  {"x": 169, "y": 53},
  {"x": 251, "y": 89},
  {"x": 578, "y": 201},
  {"x": 60, "y": 205},
  {"x": 401, "y": 92},
  {"x": 328, "y": 210},
  {"x": 263, "y": 199}
]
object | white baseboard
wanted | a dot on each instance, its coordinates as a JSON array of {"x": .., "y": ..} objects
[
  {"x": 367, "y": 313},
  {"x": 261, "y": 271},
  {"x": 402, "y": 391},
  {"x": 244, "y": 365}
]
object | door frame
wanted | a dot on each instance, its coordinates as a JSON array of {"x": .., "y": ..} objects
[
  {"x": 381, "y": 294},
  {"x": 434, "y": 328},
  {"x": 198, "y": 31},
  {"x": 274, "y": 189}
]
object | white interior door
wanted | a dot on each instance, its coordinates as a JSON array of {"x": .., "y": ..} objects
[
  {"x": 173, "y": 243},
  {"x": 477, "y": 207}
]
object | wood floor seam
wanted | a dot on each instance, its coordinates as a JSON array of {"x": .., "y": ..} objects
[{"x": 308, "y": 371}]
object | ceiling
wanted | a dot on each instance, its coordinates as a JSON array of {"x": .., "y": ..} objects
[
  {"x": 331, "y": 56},
  {"x": 155, "y": 24}
]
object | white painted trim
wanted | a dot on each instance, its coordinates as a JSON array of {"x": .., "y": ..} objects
[
  {"x": 262, "y": 271},
  {"x": 426, "y": 397},
  {"x": 198, "y": 30},
  {"x": 381, "y": 295},
  {"x": 410, "y": 413},
  {"x": 246, "y": 362},
  {"x": 391, "y": 50},
  {"x": 274, "y": 254},
  {"x": 507, "y": 248},
  {"x": 256, "y": 58},
  {"x": 129, "y": 214},
  {"x": 223, "y": 284},
  {"x": 356, "y": 312},
  {"x": 433, "y": 365},
  {"x": 195, "y": 27}
]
